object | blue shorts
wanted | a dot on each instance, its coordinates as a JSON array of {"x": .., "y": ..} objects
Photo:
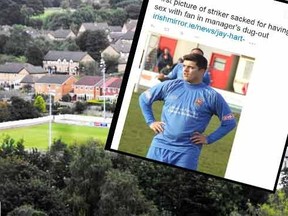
[{"x": 181, "y": 159}]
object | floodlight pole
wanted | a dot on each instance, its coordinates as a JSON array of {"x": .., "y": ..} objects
[
  {"x": 50, "y": 120},
  {"x": 103, "y": 69}
]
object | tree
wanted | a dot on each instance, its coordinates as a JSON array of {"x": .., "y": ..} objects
[
  {"x": 80, "y": 107},
  {"x": 26, "y": 210},
  {"x": 26, "y": 13},
  {"x": 58, "y": 20},
  {"x": 22, "y": 183},
  {"x": 10, "y": 13},
  {"x": 82, "y": 15},
  {"x": 94, "y": 42},
  {"x": 277, "y": 204},
  {"x": 40, "y": 104},
  {"x": 44, "y": 44},
  {"x": 66, "y": 98},
  {"x": 3, "y": 40},
  {"x": 118, "y": 17},
  {"x": 113, "y": 17},
  {"x": 18, "y": 41},
  {"x": 21, "y": 109},
  {"x": 34, "y": 55},
  {"x": 36, "y": 6},
  {"x": 121, "y": 195},
  {"x": 10, "y": 58},
  {"x": 4, "y": 112},
  {"x": 133, "y": 11},
  {"x": 90, "y": 68},
  {"x": 111, "y": 63},
  {"x": 88, "y": 171},
  {"x": 8, "y": 147},
  {"x": 178, "y": 192}
]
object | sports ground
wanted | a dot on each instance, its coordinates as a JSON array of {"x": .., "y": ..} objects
[{"x": 37, "y": 136}]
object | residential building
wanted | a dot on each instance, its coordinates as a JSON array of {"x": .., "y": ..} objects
[
  {"x": 12, "y": 73},
  {"x": 61, "y": 34},
  {"x": 130, "y": 25},
  {"x": 65, "y": 62},
  {"x": 119, "y": 50},
  {"x": 111, "y": 88},
  {"x": 29, "y": 80},
  {"x": 57, "y": 85},
  {"x": 86, "y": 88},
  {"x": 93, "y": 27}
]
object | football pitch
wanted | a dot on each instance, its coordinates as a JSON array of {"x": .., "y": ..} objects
[
  {"x": 136, "y": 138},
  {"x": 37, "y": 136}
]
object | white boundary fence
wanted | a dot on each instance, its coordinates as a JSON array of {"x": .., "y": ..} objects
[{"x": 66, "y": 119}]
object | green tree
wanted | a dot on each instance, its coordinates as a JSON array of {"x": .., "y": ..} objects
[
  {"x": 10, "y": 58},
  {"x": 10, "y": 13},
  {"x": 121, "y": 195},
  {"x": 133, "y": 10},
  {"x": 8, "y": 147},
  {"x": 22, "y": 183},
  {"x": 44, "y": 44},
  {"x": 26, "y": 210},
  {"x": 178, "y": 192},
  {"x": 3, "y": 40},
  {"x": 111, "y": 63},
  {"x": 80, "y": 107},
  {"x": 88, "y": 169},
  {"x": 40, "y": 104},
  {"x": 26, "y": 13},
  {"x": 114, "y": 17},
  {"x": 18, "y": 41},
  {"x": 66, "y": 98},
  {"x": 94, "y": 42},
  {"x": 91, "y": 68},
  {"x": 34, "y": 55},
  {"x": 36, "y": 6},
  {"x": 58, "y": 20},
  {"x": 277, "y": 204},
  {"x": 83, "y": 14},
  {"x": 21, "y": 109},
  {"x": 4, "y": 111},
  {"x": 118, "y": 17}
]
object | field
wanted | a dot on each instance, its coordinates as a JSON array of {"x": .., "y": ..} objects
[
  {"x": 137, "y": 136},
  {"x": 48, "y": 12},
  {"x": 38, "y": 136}
]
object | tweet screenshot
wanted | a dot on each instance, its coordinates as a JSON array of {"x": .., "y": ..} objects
[{"x": 205, "y": 89}]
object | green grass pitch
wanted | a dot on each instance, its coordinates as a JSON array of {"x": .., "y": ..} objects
[
  {"x": 136, "y": 138},
  {"x": 38, "y": 135}
]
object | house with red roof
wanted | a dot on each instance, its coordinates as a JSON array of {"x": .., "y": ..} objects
[
  {"x": 86, "y": 88},
  {"x": 92, "y": 87},
  {"x": 111, "y": 88},
  {"x": 59, "y": 85}
]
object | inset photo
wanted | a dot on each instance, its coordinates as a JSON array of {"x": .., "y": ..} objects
[{"x": 185, "y": 107}]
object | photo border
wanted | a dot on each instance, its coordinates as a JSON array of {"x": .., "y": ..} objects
[{"x": 120, "y": 101}]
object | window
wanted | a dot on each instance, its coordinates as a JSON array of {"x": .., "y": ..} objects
[
  {"x": 248, "y": 69},
  {"x": 219, "y": 64}
]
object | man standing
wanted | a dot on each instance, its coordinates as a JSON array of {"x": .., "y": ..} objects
[
  {"x": 176, "y": 73},
  {"x": 188, "y": 107}
]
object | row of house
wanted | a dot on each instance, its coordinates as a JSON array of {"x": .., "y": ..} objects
[
  {"x": 86, "y": 88},
  {"x": 66, "y": 62},
  {"x": 55, "y": 62},
  {"x": 17, "y": 75}
]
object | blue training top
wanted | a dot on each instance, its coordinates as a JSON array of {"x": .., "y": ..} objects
[
  {"x": 177, "y": 73},
  {"x": 187, "y": 108}
]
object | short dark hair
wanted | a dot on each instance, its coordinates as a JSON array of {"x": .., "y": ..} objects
[
  {"x": 200, "y": 60},
  {"x": 200, "y": 50}
]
